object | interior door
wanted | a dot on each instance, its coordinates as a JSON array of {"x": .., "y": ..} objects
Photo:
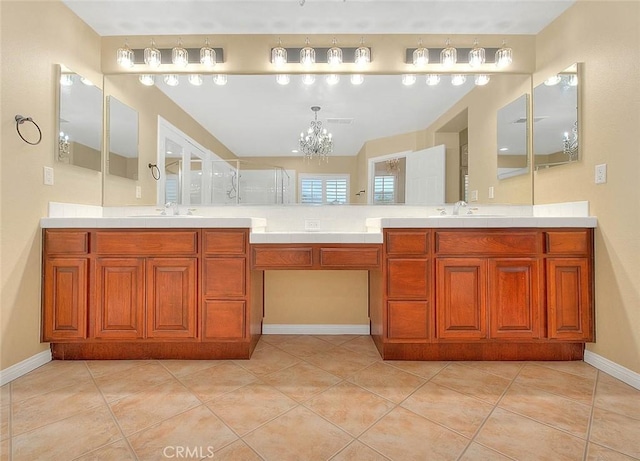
[{"x": 425, "y": 177}]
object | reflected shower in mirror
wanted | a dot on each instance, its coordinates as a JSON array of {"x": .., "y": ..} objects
[
  {"x": 512, "y": 138},
  {"x": 555, "y": 117},
  {"x": 123, "y": 139},
  {"x": 79, "y": 121}
]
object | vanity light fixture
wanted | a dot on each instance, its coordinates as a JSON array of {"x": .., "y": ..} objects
[
  {"x": 448, "y": 55},
  {"x": 504, "y": 56},
  {"x": 409, "y": 79},
  {"x": 357, "y": 79},
  {"x": 334, "y": 54},
  {"x": 86, "y": 81},
  {"x": 63, "y": 146},
  {"x": 152, "y": 55},
  {"x": 481, "y": 79},
  {"x": 308, "y": 79},
  {"x": 433, "y": 79},
  {"x": 207, "y": 54},
  {"x": 420, "y": 55},
  {"x": 332, "y": 79},
  {"x": 195, "y": 79},
  {"x": 279, "y": 55},
  {"x": 147, "y": 79},
  {"x": 362, "y": 55},
  {"x": 283, "y": 79},
  {"x": 317, "y": 142},
  {"x": 179, "y": 55},
  {"x": 458, "y": 79},
  {"x": 553, "y": 80},
  {"x": 476, "y": 55},
  {"x": 307, "y": 55},
  {"x": 66, "y": 79},
  {"x": 570, "y": 143},
  {"x": 124, "y": 56},
  {"x": 220, "y": 79},
  {"x": 172, "y": 79}
]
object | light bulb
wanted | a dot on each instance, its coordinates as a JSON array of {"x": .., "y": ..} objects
[
  {"x": 172, "y": 79},
  {"x": 481, "y": 79},
  {"x": 207, "y": 55},
  {"x": 124, "y": 56},
  {"x": 420, "y": 56},
  {"x": 433, "y": 79},
  {"x": 179, "y": 55},
  {"x": 333, "y": 79},
  {"x": 195, "y": 79},
  {"x": 283, "y": 79},
  {"x": 220, "y": 79},
  {"x": 553, "y": 80},
  {"x": 476, "y": 55},
  {"x": 448, "y": 55},
  {"x": 279, "y": 55},
  {"x": 152, "y": 56},
  {"x": 458, "y": 79},
  {"x": 504, "y": 56},
  {"x": 147, "y": 79},
  {"x": 409, "y": 79},
  {"x": 308, "y": 79},
  {"x": 357, "y": 79}
]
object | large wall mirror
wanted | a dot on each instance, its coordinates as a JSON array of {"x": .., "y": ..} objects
[
  {"x": 555, "y": 119},
  {"x": 79, "y": 121},
  {"x": 256, "y": 118},
  {"x": 513, "y": 128},
  {"x": 123, "y": 139}
]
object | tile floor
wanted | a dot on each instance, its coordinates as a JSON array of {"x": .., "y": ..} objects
[{"x": 318, "y": 398}]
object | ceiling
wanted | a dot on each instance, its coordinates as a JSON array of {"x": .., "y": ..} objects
[{"x": 250, "y": 110}]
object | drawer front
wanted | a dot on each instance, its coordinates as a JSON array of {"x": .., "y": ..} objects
[
  {"x": 350, "y": 257},
  {"x": 407, "y": 278},
  {"x": 568, "y": 242},
  {"x": 224, "y": 320},
  {"x": 487, "y": 242},
  {"x": 66, "y": 242},
  {"x": 224, "y": 242},
  {"x": 224, "y": 277},
  {"x": 408, "y": 320},
  {"x": 407, "y": 243},
  {"x": 146, "y": 243},
  {"x": 283, "y": 258}
]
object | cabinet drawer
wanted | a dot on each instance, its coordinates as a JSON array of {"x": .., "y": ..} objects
[
  {"x": 224, "y": 277},
  {"x": 283, "y": 258},
  {"x": 568, "y": 242},
  {"x": 408, "y": 320},
  {"x": 66, "y": 242},
  {"x": 407, "y": 242},
  {"x": 488, "y": 242},
  {"x": 223, "y": 320},
  {"x": 407, "y": 278},
  {"x": 350, "y": 257},
  {"x": 224, "y": 242},
  {"x": 146, "y": 243}
]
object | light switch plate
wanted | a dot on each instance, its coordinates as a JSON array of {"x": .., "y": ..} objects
[
  {"x": 473, "y": 196},
  {"x": 138, "y": 192},
  {"x": 311, "y": 224},
  {"x": 47, "y": 178},
  {"x": 601, "y": 173},
  {"x": 492, "y": 193}
]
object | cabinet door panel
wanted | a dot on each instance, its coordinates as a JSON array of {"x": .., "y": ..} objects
[
  {"x": 224, "y": 277},
  {"x": 407, "y": 278},
  {"x": 171, "y": 297},
  {"x": 120, "y": 298},
  {"x": 224, "y": 320},
  {"x": 569, "y": 302},
  {"x": 65, "y": 299},
  {"x": 408, "y": 320},
  {"x": 461, "y": 311},
  {"x": 514, "y": 298}
]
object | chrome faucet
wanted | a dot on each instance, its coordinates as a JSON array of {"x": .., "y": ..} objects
[
  {"x": 456, "y": 207},
  {"x": 173, "y": 206}
]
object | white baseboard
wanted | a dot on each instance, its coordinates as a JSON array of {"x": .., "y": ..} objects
[
  {"x": 24, "y": 367},
  {"x": 611, "y": 368},
  {"x": 275, "y": 329}
]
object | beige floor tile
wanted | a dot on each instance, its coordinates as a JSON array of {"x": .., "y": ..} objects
[
  {"x": 186, "y": 367},
  {"x": 250, "y": 406},
  {"x": 452, "y": 409},
  {"x": 364, "y": 345},
  {"x": 198, "y": 429},
  {"x": 336, "y": 340},
  {"x": 618, "y": 432},
  {"x": 51, "y": 376},
  {"x": 5, "y": 395},
  {"x": 350, "y": 407},
  {"x": 426, "y": 370},
  {"x": 301, "y": 381},
  {"x": 117, "y": 451},
  {"x": 473, "y": 382},
  {"x": 5, "y": 426},
  {"x": 120, "y": 384},
  {"x": 387, "y": 381},
  {"x": 267, "y": 361},
  {"x": 237, "y": 451},
  {"x": 298, "y": 435},
  {"x": 106, "y": 367},
  {"x": 5, "y": 450},
  {"x": 476, "y": 452},
  {"x": 53, "y": 406},
  {"x": 598, "y": 453},
  {"x": 614, "y": 395},
  {"x": 568, "y": 385},
  {"x": 152, "y": 405},
  {"x": 574, "y": 367},
  {"x": 304, "y": 346},
  {"x": 524, "y": 439},
  {"x": 341, "y": 362},
  {"x": 508, "y": 370},
  {"x": 357, "y": 451},
  {"x": 403, "y": 435},
  {"x": 213, "y": 382},
  {"x": 551, "y": 409},
  {"x": 67, "y": 439},
  {"x": 262, "y": 345},
  {"x": 274, "y": 340}
]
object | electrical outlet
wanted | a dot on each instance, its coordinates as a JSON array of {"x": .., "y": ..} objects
[
  {"x": 47, "y": 178},
  {"x": 492, "y": 193},
  {"x": 138, "y": 192},
  {"x": 473, "y": 196},
  {"x": 311, "y": 224},
  {"x": 601, "y": 173}
]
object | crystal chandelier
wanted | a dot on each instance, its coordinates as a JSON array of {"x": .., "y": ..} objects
[
  {"x": 570, "y": 144},
  {"x": 317, "y": 142}
]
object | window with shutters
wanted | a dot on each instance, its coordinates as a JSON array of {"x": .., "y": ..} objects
[
  {"x": 317, "y": 188},
  {"x": 384, "y": 189}
]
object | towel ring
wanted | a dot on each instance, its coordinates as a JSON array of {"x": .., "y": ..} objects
[
  {"x": 19, "y": 121},
  {"x": 155, "y": 171}
]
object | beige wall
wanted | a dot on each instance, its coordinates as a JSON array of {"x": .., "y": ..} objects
[
  {"x": 605, "y": 36},
  {"x": 34, "y": 37}
]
